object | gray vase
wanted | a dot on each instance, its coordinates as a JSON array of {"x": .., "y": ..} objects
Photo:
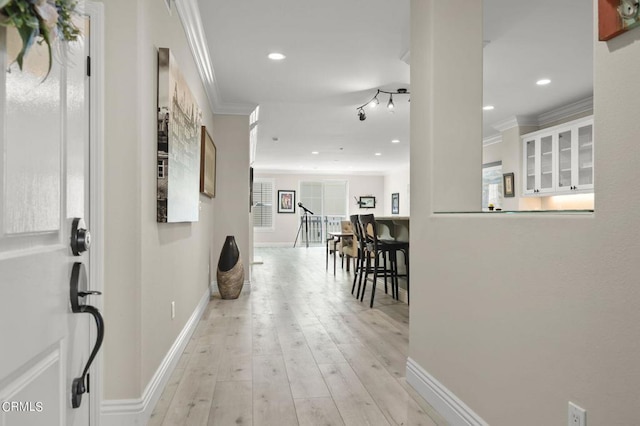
[{"x": 230, "y": 273}]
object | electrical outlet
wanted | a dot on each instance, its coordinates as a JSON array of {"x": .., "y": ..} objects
[
  {"x": 577, "y": 415},
  {"x": 173, "y": 310}
]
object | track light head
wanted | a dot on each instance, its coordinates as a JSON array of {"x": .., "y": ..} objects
[
  {"x": 374, "y": 102},
  {"x": 361, "y": 115},
  {"x": 390, "y": 105}
]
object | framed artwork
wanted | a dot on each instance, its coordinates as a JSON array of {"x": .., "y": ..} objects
[
  {"x": 616, "y": 16},
  {"x": 250, "y": 188},
  {"x": 179, "y": 136},
  {"x": 508, "y": 185},
  {"x": 395, "y": 203},
  {"x": 286, "y": 201},
  {"x": 207, "y": 164},
  {"x": 367, "y": 202}
]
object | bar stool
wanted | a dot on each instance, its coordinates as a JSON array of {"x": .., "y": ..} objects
[{"x": 377, "y": 250}]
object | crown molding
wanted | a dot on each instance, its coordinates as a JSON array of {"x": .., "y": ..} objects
[
  {"x": 515, "y": 121},
  {"x": 566, "y": 111},
  {"x": 555, "y": 115},
  {"x": 189, "y": 14},
  {"x": 492, "y": 140}
]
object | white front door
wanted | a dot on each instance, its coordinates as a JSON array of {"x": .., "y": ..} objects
[{"x": 44, "y": 184}]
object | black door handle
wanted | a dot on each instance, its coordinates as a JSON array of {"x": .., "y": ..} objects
[{"x": 79, "y": 281}]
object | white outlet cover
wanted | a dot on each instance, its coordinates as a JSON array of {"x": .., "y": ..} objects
[{"x": 577, "y": 415}]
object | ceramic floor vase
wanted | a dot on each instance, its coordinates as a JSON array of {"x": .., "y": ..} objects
[{"x": 230, "y": 273}]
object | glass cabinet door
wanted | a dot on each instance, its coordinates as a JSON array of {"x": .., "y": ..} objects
[
  {"x": 565, "y": 158},
  {"x": 585, "y": 156},
  {"x": 531, "y": 165},
  {"x": 546, "y": 162}
]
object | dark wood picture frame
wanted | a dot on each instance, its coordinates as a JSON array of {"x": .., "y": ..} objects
[
  {"x": 508, "y": 185},
  {"x": 395, "y": 203},
  {"x": 207, "y": 164},
  {"x": 286, "y": 201}
]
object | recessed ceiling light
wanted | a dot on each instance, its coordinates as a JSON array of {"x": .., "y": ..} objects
[
  {"x": 315, "y": 152},
  {"x": 488, "y": 107},
  {"x": 543, "y": 82},
  {"x": 275, "y": 56},
  {"x": 395, "y": 141},
  {"x": 378, "y": 154}
]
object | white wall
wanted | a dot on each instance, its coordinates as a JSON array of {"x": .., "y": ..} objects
[
  {"x": 231, "y": 209},
  {"x": 398, "y": 181},
  {"x": 558, "y": 321},
  {"x": 147, "y": 265},
  {"x": 286, "y": 225}
]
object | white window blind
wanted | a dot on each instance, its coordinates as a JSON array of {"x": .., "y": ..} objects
[
  {"x": 326, "y": 198},
  {"x": 335, "y": 198},
  {"x": 311, "y": 196},
  {"x": 263, "y": 204}
]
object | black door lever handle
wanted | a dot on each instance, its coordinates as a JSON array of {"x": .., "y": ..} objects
[{"x": 79, "y": 279}]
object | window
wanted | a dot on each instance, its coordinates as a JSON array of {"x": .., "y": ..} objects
[
  {"x": 263, "y": 204},
  {"x": 253, "y": 134},
  {"x": 492, "y": 185}
]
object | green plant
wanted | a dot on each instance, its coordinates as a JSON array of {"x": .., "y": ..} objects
[{"x": 41, "y": 21}]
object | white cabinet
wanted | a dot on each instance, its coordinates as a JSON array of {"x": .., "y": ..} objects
[{"x": 559, "y": 160}]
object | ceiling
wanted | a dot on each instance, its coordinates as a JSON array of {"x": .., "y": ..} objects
[{"x": 338, "y": 52}]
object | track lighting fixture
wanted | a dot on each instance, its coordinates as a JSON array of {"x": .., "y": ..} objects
[{"x": 374, "y": 102}]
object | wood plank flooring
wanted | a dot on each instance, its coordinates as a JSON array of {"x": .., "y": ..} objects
[{"x": 298, "y": 349}]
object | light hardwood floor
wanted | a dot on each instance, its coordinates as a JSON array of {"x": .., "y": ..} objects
[{"x": 298, "y": 349}]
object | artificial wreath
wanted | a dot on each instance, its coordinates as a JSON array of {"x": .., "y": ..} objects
[{"x": 40, "y": 21}]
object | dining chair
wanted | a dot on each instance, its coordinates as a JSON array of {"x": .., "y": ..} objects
[{"x": 359, "y": 258}]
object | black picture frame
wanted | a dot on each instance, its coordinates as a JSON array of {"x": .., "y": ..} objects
[
  {"x": 367, "y": 202},
  {"x": 508, "y": 185},
  {"x": 395, "y": 203},
  {"x": 250, "y": 189},
  {"x": 286, "y": 201}
]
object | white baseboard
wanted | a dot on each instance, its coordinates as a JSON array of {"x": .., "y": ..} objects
[
  {"x": 130, "y": 412},
  {"x": 213, "y": 287},
  {"x": 456, "y": 412},
  {"x": 402, "y": 295}
]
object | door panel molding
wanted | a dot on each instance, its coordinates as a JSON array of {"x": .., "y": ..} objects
[{"x": 44, "y": 370}]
